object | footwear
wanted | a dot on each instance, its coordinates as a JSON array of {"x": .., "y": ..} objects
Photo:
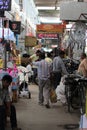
[
  {"x": 15, "y": 128},
  {"x": 40, "y": 103},
  {"x": 47, "y": 106},
  {"x": 64, "y": 104}
]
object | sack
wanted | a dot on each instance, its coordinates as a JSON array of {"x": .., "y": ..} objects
[
  {"x": 53, "y": 96},
  {"x": 83, "y": 122}
]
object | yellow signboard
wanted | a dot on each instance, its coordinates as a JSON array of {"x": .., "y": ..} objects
[{"x": 30, "y": 41}]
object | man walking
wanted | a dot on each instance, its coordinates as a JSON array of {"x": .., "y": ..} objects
[
  {"x": 43, "y": 80},
  {"x": 58, "y": 68}
]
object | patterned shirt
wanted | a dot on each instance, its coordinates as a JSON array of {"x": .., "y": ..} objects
[
  {"x": 4, "y": 95},
  {"x": 43, "y": 69}
]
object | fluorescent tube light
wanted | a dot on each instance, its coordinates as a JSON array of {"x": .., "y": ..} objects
[{"x": 47, "y": 8}]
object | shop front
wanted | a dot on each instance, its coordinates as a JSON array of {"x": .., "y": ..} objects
[{"x": 50, "y": 34}]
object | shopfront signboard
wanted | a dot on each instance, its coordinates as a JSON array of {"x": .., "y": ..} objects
[
  {"x": 47, "y": 35},
  {"x": 51, "y": 28}
]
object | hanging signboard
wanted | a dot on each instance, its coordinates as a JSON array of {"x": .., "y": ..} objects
[
  {"x": 15, "y": 26},
  {"x": 47, "y": 35},
  {"x": 5, "y": 5},
  {"x": 52, "y": 28},
  {"x": 30, "y": 41}
]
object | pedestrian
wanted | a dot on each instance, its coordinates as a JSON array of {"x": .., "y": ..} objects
[
  {"x": 35, "y": 57},
  {"x": 43, "y": 80},
  {"x": 30, "y": 72},
  {"x": 6, "y": 106},
  {"x": 49, "y": 57},
  {"x": 82, "y": 69},
  {"x": 59, "y": 68}
]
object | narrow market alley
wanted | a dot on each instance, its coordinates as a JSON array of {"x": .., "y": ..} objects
[{"x": 32, "y": 116}]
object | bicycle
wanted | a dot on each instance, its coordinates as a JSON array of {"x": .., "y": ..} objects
[{"x": 75, "y": 91}]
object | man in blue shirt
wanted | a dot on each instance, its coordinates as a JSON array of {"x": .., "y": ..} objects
[{"x": 58, "y": 68}]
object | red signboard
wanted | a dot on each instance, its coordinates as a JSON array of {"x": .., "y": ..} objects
[{"x": 47, "y": 35}]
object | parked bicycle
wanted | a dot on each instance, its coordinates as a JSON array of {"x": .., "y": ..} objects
[{"x": 75, "y": 91}]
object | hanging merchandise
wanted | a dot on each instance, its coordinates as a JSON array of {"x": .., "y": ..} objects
[
  {"x": 1, "y": 56},
  {"x": 78, "y": 32},
  {"x": 83, "y": 122},
  {"x": 8, "y": 34},
  {"x": 76, "y": 40},
  {"x": 1, "y": 63},
  {"x": 18, "y": 60}
]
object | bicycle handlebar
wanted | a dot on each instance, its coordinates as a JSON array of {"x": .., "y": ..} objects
[
  {"x": 82, "y": 80},
  {"x": 78, "y": 78}
]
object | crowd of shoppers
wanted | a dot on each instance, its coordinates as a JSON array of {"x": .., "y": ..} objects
[
  {"x": 49, "y": 67},
  {"x": 46, "y": 65}
]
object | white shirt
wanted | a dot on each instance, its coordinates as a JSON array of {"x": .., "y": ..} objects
[{"x": 29, "y": 69}]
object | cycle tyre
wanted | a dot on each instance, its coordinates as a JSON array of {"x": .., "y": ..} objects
[
  {"x": 67, "y": 93},
  {"x": 74, "y": 104}
]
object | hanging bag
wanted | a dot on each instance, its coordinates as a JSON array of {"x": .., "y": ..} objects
[{"x": 53, "y": 96}]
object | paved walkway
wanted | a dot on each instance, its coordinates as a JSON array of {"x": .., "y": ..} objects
[{"x": 31, "y": 116}]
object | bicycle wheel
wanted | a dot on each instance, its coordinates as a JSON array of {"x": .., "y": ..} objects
[
  {"x": 75, "y": 99},
  {"x": 83, "y": 99},
  {"x": 75, "y": 103},
  {"x": 78, "y": 98},
  {"x": 68, "y": 96}
]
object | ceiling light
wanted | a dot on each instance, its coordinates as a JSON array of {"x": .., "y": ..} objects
[
  {"x": 47, "y": 8},
  {"x": 50, "y": 20}
]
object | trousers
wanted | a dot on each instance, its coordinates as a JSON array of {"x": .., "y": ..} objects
[
  {"x": 44, "y": 87},
  {"x": 57, "y": 78},
  {"x": 13, "y": 119}
]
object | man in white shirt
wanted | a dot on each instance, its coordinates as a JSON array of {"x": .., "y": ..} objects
[{"x": 30, "y": 72}]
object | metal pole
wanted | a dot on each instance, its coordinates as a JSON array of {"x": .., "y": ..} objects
[
  {"x": 4, "y": 43},
  {"x": 5, "y": 55}
]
